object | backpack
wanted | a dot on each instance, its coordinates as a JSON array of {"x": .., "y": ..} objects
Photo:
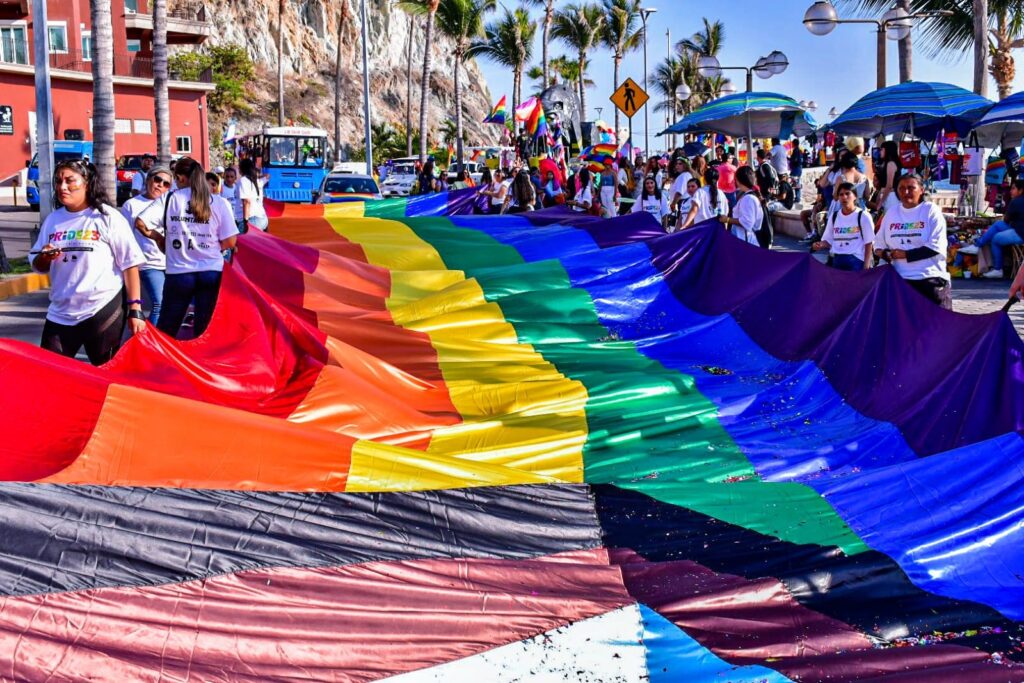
[
  {"x": 766, "y": 233},
  {"x": 767, "y": 176}
]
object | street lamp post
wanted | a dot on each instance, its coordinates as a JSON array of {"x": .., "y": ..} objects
[
  {"x": 668, "y": 57},
  {"x": 821, "y": 19},
  {"x": 682, "y": 94},
  {"x": 645, "y": 13},
  {"x": 366, "y": 94},
  {"x": 766, "y": 67}
]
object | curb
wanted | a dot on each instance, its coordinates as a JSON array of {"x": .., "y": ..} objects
[{"x": 22, "y": 284}]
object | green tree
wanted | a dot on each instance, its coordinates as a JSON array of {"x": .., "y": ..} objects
[
  {"x": 103, "y": 94},
  {"x": 621, "y": 34},
  {"x": 509, "y": 42},
  {"x": 463, "y": 22},
  {"x": 580, "y": 27},
  {"x": 706, "y": 42},
  {"x": 232, "y": 71}
]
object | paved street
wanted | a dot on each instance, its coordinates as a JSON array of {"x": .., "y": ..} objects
[{"x": 16, "y": 224}]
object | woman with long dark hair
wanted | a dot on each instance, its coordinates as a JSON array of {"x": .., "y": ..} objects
[
  {"x": 522, "y": 196},
  {"x": 87, "y": 248},
  {"x": 652, "y": 201},
  {"x": 250, "y": 191},
  {"x": 143, "y": 213},
  {"x": 748, "y": 214},
  {"x": 198, "y": 229},
  {"x": 889, "y": 176},
  {"x": 709, "y": 201},
  {"x": 583, "y": 200}
]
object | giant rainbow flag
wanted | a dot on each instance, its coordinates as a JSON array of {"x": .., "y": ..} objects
[{"x": 421, "y": 444}]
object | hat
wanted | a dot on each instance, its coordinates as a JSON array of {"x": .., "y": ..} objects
[
  {"x": 157, "y": 170},
  {"x": 218, "y": 170}
]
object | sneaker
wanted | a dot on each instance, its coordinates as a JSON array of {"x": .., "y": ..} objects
[
  {"x": 994, "y": 274},
  {"x": 970, "y": 249}
]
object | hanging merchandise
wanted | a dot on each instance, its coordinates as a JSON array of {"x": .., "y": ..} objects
[
  {"x": 974, "y": 158},
  {"x": 910, "y": 154},
  {"x": 995, "y": 170}
]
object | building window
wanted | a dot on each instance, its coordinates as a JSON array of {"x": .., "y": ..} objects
[
  {"x": 134, "y": 45},
  {"x": 13, "y": 44},
  {"x": 87, "y": 46},
  {"x": 123, "y": 126},
  {"x": 131, "y": 6},
  {"x": 143, "y": 127},
  {"x": 58, "y": 34},
  {"x": 183, "y": 144}
]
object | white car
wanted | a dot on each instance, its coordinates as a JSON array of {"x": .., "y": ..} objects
[
  {"x": 401, "y": 178},
  {"x": 347, "y": 187},
  {"x": 473, "y": 169}
]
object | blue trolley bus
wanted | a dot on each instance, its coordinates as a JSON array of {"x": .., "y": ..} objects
[{"x": 294, "y": 159}]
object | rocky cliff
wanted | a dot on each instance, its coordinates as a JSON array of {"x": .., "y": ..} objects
[{"x": 310, "y": 43}]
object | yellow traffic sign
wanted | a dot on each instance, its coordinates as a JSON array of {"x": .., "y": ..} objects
[{"x": 629, "y": 98}]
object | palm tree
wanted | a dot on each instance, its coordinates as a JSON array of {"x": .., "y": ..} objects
[
  {"x": 549, "y": 15},
  {"x": 161, "y": 104},
  {"x": 103, "y": 94},
  {"x": 509, "y": 42},
  {"x": 705, "y": 43},
  {"x": 621, "y": 34},
  {"x": 387, "y": 142},
  {"x": 463, "y": 22},
  {"x": 408, "y": 85},
  {"x": 569, "y": 70},
  {"x": 579, "y": 26},
  {"x": 342, "y": 15},
  {"x": 427, "y": 8}
]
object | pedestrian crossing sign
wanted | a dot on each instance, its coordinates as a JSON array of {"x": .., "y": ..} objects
[{"x": 629, "y": 97}]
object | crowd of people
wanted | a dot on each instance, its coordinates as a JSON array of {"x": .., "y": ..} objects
[{"x": 170, "y": 239}]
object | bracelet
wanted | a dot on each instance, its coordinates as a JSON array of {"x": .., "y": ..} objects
[
  {"x": 136, "y": 315},
  {"x": 134, "y": 301}
]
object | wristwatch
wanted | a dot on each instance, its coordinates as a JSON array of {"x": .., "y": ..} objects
[{"x": 136, "y": 315}]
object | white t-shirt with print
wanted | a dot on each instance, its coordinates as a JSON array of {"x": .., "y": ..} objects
[
  {"x": 83, "y": 282},
  {"x": 702, "y": 200},
  {"x": 652, "y": 205},
  {"x": 849, "y": 234},
  {"x": 234, "y": 196},
  {"x": 194, "y": 247},
  {"x": 906, "y": 229},
  {"x": 247, "y": 190},
  {"x": 679, "y": 185},
  {"x": 151, "y": 211}
]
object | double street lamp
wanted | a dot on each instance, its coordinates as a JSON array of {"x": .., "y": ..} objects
[
  {"x": 645, "y": 13},
  {"x": 766, "y": 67},
  {"x": 821, "y": 19}
]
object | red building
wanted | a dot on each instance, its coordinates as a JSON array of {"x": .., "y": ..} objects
[{"x": 70, "y": 51}]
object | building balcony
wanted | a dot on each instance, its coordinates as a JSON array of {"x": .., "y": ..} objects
[
  {"x": 131, "y": 65},
  {"x": 186, "y": 24}
]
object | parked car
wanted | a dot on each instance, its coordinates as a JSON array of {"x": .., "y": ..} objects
[
  {"x": 62, "y": 151},
  {"x": 401, "y": 179},
  {"x": 127, "y": 166},
  {"x": 473, "y": 169},
  {"x": 347, "y": 187}
]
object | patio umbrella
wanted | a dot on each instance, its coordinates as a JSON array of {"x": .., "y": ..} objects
[
  {"x": 917, "y": 108},
  {"x": 748, "y": 115},
  {"x": 1003, "y": 124}
]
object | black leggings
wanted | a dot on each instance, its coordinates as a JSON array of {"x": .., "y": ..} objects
[
  {"x": 935, "y": 289},
  {"x": 101, "y": 334}
]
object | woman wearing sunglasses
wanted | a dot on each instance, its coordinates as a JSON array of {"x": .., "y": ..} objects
[
  {"x": 93, "y": 261},
  {"x": 144, "y": 213}
]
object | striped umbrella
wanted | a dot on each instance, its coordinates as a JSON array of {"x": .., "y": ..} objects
[
  {"x": 918, "y": 108},
  {"x": 1003, "y": 125},
  {"x": 748, "y": 114}
]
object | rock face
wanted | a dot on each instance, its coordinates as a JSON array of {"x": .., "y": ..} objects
[{"x": 310, "y": 44}]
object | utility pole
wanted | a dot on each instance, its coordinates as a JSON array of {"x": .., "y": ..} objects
[
  {"x": 366, "y": 91},
  {"x": 337, "y": 83},
  {"x": 44, "y": 110},
  {"x": 280, "y": 63}
]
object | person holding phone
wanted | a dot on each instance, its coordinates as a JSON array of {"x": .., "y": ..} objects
[{"x": 87, "y": 248}]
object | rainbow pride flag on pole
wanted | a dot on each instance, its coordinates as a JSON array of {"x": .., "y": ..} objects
[
  {"x": 531, "y": 113},
  {"x": 499, "y": 113},
  {"x": 418, "y": 442}
]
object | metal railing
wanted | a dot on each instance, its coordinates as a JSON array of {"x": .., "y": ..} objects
[
  {"x": 188, "y": 11},
  {"x": 131, "y": 65}
]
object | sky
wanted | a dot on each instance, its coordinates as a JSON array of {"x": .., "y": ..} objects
[{"x": 833, "y": 70}]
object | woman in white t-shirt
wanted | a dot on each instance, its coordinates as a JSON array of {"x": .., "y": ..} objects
[
  {"x": 849, "y": 232},
  {"x": 913, "y": 239},
  {"x": 87, "y": 248},
  {"x": 496, "y": 191},
  {"x": 250, "y": 191},
  {"x": 148, "y": 235},
  {"x": 652, "y": 201},
  {"x": 199, "y": 228},
  {"x": 584, "y": 198},
  {"x": 709, "y": 201},
  {"x": 748, "y": 213}
]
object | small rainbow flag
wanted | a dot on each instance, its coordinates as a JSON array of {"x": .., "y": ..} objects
[
  {"x": 499, "y": 113},
  {"x": 531, "y": 112}
]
